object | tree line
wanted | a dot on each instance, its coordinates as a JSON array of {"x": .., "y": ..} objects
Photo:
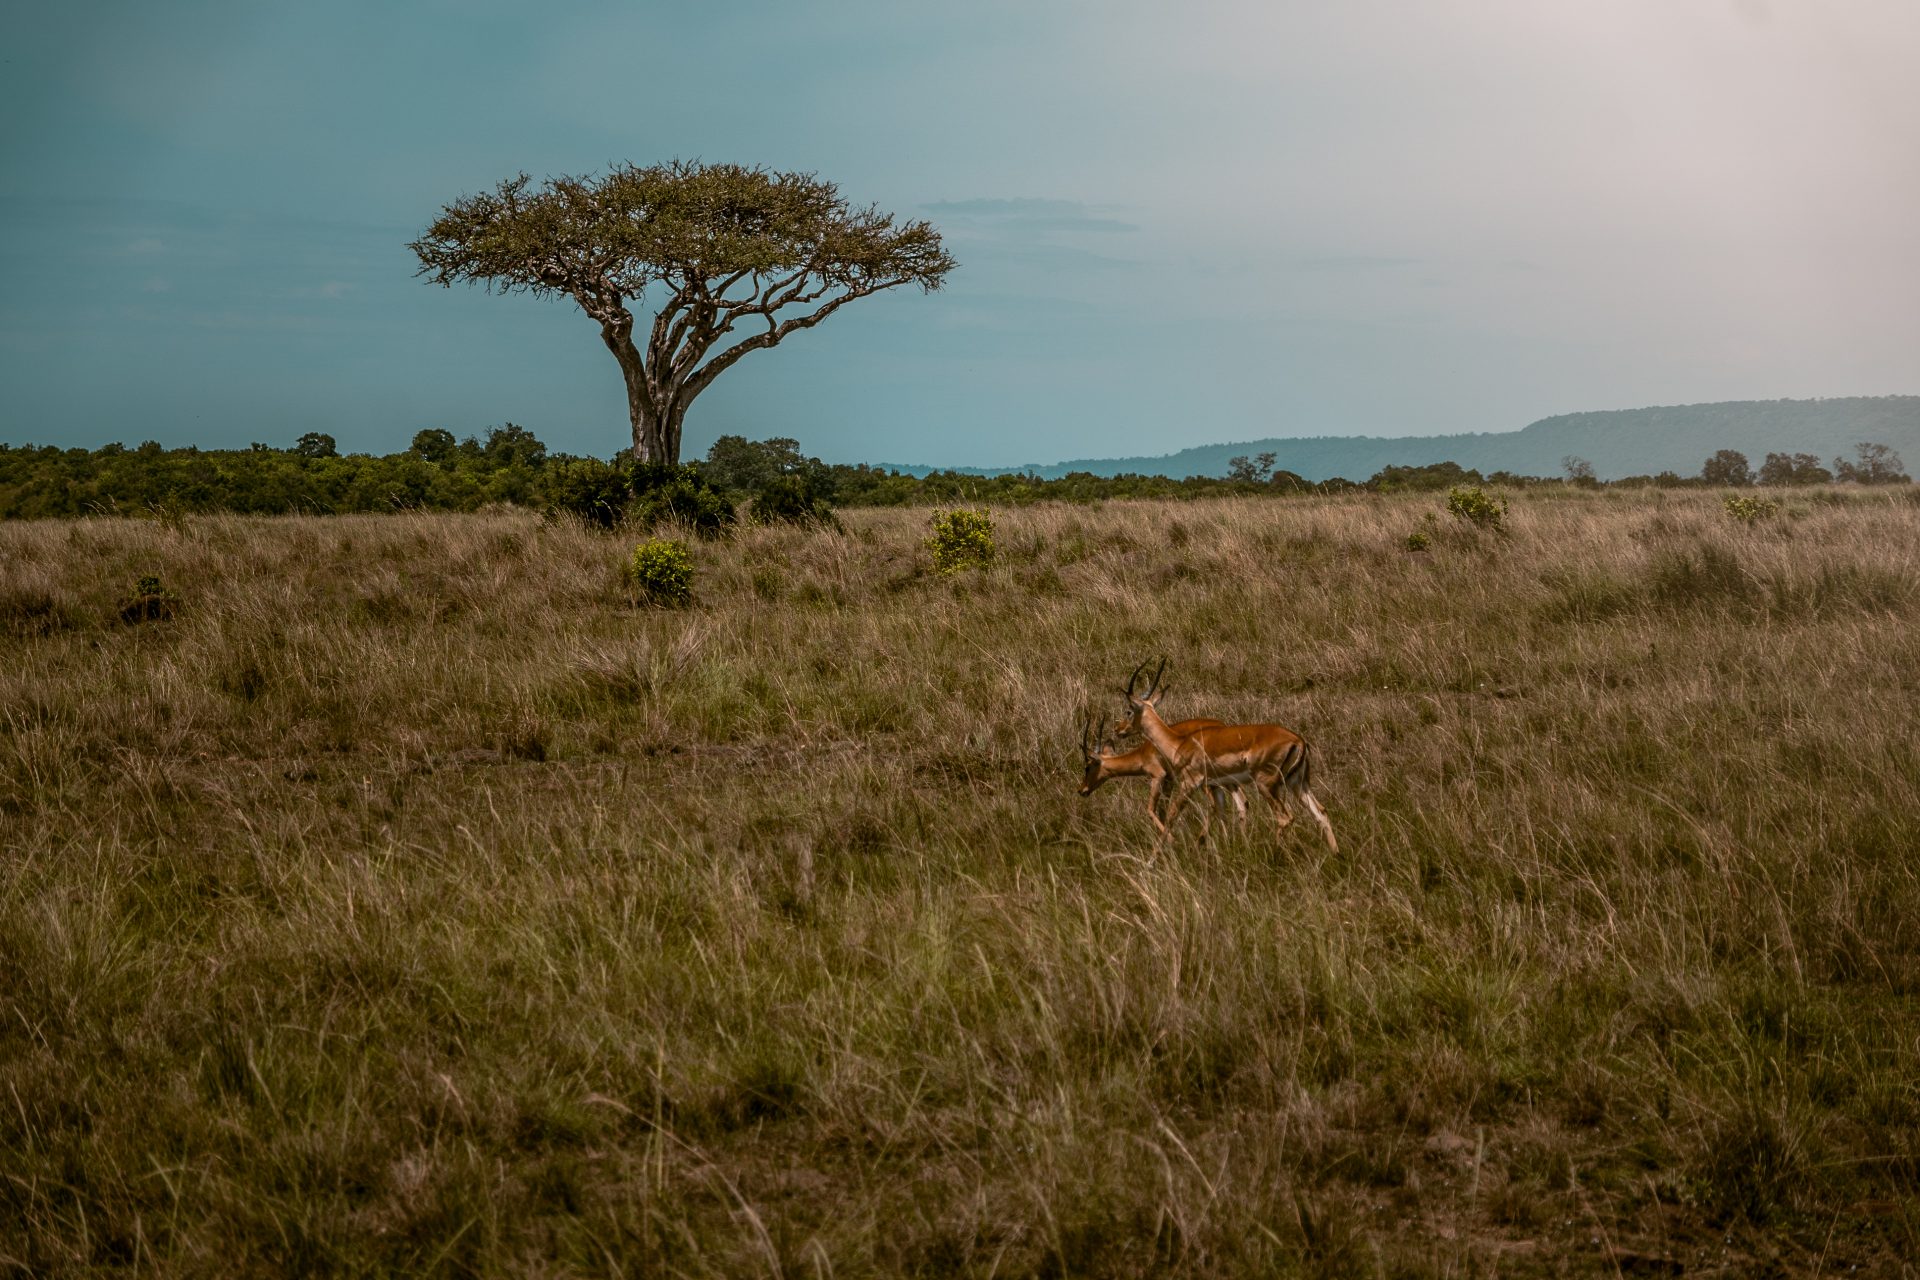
[
  {"x": 762, "y": 479},
  {"x": 1871, "y": 464}
]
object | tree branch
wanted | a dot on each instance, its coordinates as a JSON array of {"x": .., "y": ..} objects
[{"x": 700, "y": 380}]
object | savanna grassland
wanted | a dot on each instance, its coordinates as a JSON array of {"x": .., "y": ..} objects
[{"x": 405, "y": 897}]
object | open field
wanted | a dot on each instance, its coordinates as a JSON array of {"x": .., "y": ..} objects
[{"x": 411, "y": 900}]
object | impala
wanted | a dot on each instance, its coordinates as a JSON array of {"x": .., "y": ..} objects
[
  {"x": 1103, "y": 763},
  {"x": 1275, "y": 761}
]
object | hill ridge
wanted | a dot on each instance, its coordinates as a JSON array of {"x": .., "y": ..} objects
[{"x": 1618, "y": 442}]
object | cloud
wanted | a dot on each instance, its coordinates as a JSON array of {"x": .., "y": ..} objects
[{"x": 1029, "y": 214}]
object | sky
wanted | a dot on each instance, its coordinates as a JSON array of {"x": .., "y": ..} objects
[{"x": 1176, "y": 224}]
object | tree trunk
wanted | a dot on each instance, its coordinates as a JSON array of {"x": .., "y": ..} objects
[
  {"x": 654, "y": 412},
  {"x": 657, "y": 409},
  {"x": 656, "y": 435}
]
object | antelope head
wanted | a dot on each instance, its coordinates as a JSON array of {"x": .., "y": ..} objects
[
  {"x": 1139, "y": 703},
  {"x": 1093, "y": 752}
]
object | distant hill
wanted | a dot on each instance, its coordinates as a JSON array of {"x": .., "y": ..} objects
[{"x": 1618, "y": 442}]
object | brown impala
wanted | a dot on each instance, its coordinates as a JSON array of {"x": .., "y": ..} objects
[
  {"x": 1103, "y": 763},
  {"x": 1274, "y": 761}
]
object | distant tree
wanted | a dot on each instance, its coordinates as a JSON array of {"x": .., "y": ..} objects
[
  {"x": 1727, "y": 469},
  {"x": 1794, "y": 468},
  {"x": 511, "y": 445},
  {"x": 316, "y": 444},
  {"x": 435, "y": 444},
  {"x": 1877, "y": 464},
  {"x": 1579, "y": 470},
  {"x": 736, "y": 464},
  {"x": 1433, "y": 476},
  {"x": 737, "y": 258},
  {"x": 1254, "y": 470}
]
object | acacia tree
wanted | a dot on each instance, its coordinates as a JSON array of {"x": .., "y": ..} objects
[
  {"x": 1794, "y": 468},
  {"x": 1878, "y": 464},
  {"x": 728, "y": 259},
  {"x": 1729, "y": 469}
]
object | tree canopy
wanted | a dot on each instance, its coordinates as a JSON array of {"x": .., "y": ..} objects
[
  {"x": 728, "y": 259},
  {"x": 1878, "y": 464},
  {"x": 1794, "y": 468},
  {"x": 1728, "y": 468}
]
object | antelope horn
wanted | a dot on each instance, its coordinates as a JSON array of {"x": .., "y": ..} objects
[
  {"x": 1086, "y": 747},
  {"x": 1158, "y": 672},
  {"x": 1134, "y": 679}
]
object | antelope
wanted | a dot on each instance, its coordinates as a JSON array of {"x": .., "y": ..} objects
[
  {"x": 1103, "y": 763},
  {"x": 1276, "y": 761}
]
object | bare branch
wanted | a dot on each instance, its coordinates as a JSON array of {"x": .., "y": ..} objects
[{"x": 774, "y": 334}]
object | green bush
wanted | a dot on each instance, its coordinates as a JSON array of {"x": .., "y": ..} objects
[
  {"x": 792, "y": 499},
  {"x": 662, "y": 570},
  {"x": 1418, "y": 541},
  {"x": 961, "y": 539},
  {"x": 596, "y": 492},
  {"x": 681, "y": 494},
  {"x": 1748, "y": 510},
  {"x": 1477, "y": 506}
]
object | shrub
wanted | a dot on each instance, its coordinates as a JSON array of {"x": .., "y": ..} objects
[
  {"x": 151, "y": 602},
  {"x": 1475, "y": 505},
  {"x": 681, "y": 494},
  {"x": 1418, "y": 541},
  {"x": 1750, "y": 509},
  {"x": 662, "y": 570},
  {"x": 791, "y": 499},
  {"x": 961, "y": 539},
  {"x": 596, "y": 492}
]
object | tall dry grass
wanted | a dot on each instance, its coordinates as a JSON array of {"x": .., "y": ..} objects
[{"x": 410, "y": 900}]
